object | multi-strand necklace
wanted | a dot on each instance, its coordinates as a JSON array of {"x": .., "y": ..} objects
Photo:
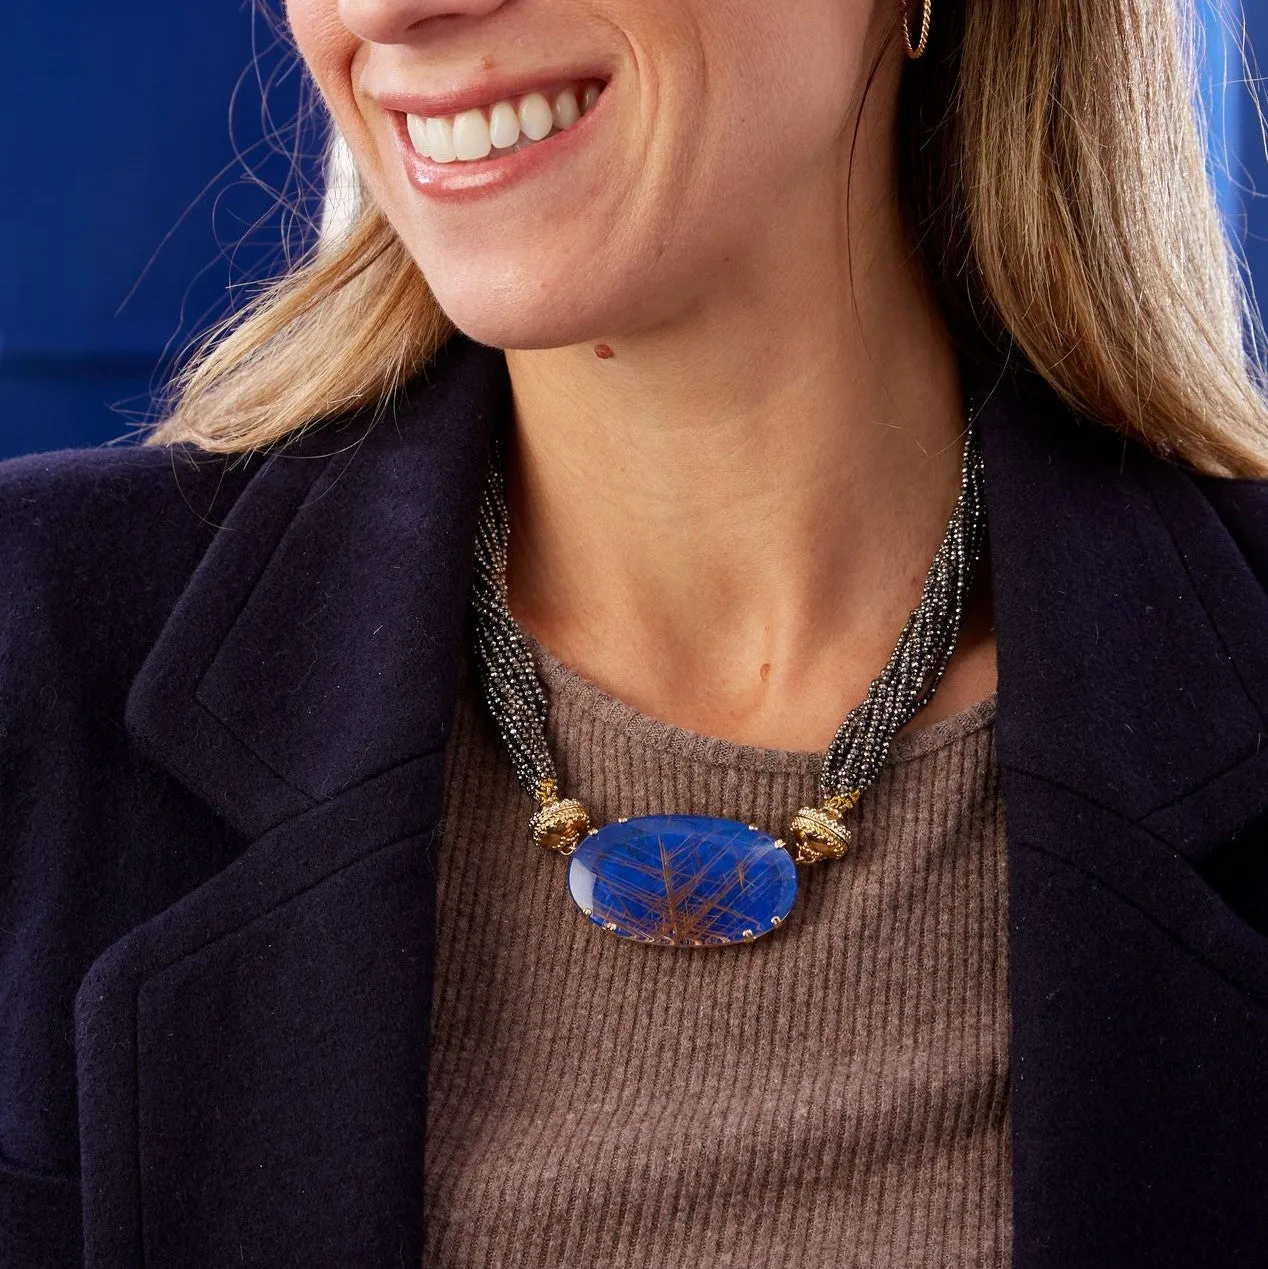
[{"x": 695, "y": 880}]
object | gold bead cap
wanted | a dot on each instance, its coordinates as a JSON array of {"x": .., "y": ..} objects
[
  {"x": 817, "y": 831},
  {"x": 560, "y": 823}
]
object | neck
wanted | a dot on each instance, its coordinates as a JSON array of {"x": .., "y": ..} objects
[{"x": 726, "y": 522}]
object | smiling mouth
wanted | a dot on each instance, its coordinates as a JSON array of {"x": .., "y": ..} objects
[{"x": 502, "y": 127}]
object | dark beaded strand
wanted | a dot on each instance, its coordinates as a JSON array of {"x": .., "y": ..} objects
[
  {"x": 518, "y": 704},
  {"x": 919, "y": 659}
]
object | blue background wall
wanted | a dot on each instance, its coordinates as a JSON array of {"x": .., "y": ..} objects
[
  {"x": 119, "y": 186},
  {"x": 1253, "y": 158},
  {"x": 125, "y": 215},
  {"x": 1241, "y": 165}
]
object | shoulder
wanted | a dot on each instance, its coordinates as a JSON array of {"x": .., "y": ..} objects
[
  {"x": 98, "y": 500},
  {"x": 1113, "y": 486},
  {"x": 96, "y": 545}
]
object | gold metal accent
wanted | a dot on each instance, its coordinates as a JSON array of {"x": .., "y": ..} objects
[
  {"x": 839, "y": 803},
  {"x": 926, "y": 14},
  {"x": 817, "y": 831},
  {"x": 559, "y": 823}
]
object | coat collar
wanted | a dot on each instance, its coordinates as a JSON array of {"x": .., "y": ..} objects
[
  {"x": 317, "y": 644},
  {"x": 303, "y": 688}
]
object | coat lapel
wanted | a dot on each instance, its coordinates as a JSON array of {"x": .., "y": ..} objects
[
  {"x": 252, "y": 1060},
  {"x": 1133, "y": 692}
]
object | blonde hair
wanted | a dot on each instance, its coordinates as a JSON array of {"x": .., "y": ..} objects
[{"x": 1053, "y": 173}]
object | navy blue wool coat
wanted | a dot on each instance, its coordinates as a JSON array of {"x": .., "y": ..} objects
[{"x": 225, "y": 692}]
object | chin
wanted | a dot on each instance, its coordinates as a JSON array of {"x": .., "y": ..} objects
[
  {"x": 519, "y": 329},
  {"x": 528, "y": 316}
]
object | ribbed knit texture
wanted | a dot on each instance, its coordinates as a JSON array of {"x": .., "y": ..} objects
[{"x": 835, "y": 1094}]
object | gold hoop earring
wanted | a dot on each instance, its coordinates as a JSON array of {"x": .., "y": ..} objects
[{"x": 926, "y": 12}]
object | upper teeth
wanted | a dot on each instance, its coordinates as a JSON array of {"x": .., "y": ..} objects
[{"x": 501, "y": 125}]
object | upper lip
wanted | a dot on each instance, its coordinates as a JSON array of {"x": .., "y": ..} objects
[{"x": 483, "y": 92}]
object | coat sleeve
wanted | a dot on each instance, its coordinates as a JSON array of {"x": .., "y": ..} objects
[{"x": 95, "y": 547}]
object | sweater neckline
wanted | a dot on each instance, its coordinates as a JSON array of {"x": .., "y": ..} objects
[{"x": 569, "y": 692}]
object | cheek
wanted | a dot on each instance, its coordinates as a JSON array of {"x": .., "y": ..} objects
[
  {"x": 788, "y": 77},
  {"x": 329, "y": 50},
  {"x": 805, "y": 64}
]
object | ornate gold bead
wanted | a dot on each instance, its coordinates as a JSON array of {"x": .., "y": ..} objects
[
  {"x": 818, "y": 832},
  {"x": 560, "y": 825}
]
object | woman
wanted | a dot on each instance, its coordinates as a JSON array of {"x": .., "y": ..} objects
[{"x": 781, "y": 395}]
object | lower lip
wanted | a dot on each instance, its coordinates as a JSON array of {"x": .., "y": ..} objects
[{"x": 463, "y": 180}]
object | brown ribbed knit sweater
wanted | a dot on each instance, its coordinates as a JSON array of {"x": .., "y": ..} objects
[{"x": 835, "y": 1094}]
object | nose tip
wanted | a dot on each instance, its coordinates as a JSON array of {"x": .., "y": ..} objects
[{"x": 399, "y": 21}]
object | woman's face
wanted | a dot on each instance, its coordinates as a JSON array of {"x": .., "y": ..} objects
[{"x": 714, "y": 157}]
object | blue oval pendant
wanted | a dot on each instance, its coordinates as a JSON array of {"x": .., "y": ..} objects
[{"x": 683, "y": 880}]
